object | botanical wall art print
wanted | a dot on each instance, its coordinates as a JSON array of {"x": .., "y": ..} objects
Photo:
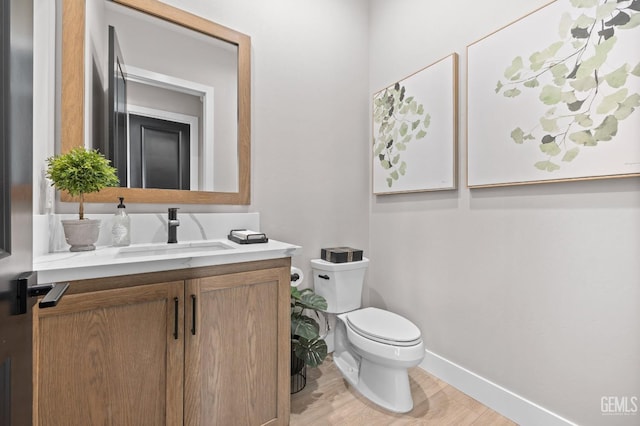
[
  {"x": 414, "y": 131},
  {"x": 556, "y": 96}
]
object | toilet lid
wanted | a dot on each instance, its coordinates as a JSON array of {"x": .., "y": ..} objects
[{"x": 384, "y": 327}]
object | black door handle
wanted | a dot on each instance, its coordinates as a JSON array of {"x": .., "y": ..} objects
[
  {"x": 26, "y": 287},
  {"x": 23, "y": 285},
  {"x": 53, "y": 296}
]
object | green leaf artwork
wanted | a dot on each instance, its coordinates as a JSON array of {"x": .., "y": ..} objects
[
  {"x": 588, "y": 90},
  {"x": 399, "y": 120}
]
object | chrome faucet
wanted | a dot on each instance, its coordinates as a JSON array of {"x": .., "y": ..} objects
[{"x": 173, "y": 225}]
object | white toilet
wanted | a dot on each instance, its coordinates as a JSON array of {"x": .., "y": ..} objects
[{"x": 373, "y": 347}]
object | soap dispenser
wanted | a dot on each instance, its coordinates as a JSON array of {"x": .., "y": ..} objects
[{"x": 121, "y": 230}]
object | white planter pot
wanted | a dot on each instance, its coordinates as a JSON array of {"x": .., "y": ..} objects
[{"x": 81, "y": 235}]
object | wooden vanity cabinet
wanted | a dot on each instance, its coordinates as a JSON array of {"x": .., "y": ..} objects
[
  {"x": 234, "y": 349},
  {"x": 103, "y": 356},
  {"x": 209, "y": 349}
]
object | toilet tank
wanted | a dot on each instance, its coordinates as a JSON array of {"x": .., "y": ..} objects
[{"x": 339, "y": 283}]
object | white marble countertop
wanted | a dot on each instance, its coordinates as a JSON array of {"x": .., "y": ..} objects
[{"x": 107, "y": 261}]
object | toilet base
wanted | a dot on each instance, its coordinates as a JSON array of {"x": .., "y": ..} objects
[
  {"x": 387, "y": 387},
  {"x": 377, "y": 371}
]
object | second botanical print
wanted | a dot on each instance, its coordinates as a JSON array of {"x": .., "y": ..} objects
[{"x": 414, "y": 130}]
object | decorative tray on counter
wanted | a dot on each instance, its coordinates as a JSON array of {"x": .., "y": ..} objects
[{"x": 245, "y": 236}]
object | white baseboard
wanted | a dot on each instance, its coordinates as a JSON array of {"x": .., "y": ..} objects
[{"x": 505, "y": 402}]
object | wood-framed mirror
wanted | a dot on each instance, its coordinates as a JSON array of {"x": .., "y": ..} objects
[{"x": 74, "y": 116}]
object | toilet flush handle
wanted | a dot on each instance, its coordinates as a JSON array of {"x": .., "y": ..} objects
[{"x": 324, "y": 277}]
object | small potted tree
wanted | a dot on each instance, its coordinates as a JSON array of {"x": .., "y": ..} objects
[
  {"x": 80, "y": 172},
  {"x": 308, "y": 348}
]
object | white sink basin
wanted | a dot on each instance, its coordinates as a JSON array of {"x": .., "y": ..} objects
[{"x": 177, "y": 248}]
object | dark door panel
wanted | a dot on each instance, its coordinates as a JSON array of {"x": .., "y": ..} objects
[
  {"x": 16, "y": 220},
  {"x": 160, "y": 153},
  {"x": 117, "y": 138}
]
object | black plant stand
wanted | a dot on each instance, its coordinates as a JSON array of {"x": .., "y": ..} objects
[
  {"x": 299, "y": 380},
  {"x": 298, "y": 374}
]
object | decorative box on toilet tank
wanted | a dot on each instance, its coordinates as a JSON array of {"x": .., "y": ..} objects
[{"x": 341, "y": 254}]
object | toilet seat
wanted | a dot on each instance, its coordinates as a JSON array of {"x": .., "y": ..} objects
[{"x": 384, "y": 327}]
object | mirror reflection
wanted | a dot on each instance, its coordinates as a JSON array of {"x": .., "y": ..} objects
[
  {"x": 171, "y": 102},
  {"x": 182, "y": 81}
]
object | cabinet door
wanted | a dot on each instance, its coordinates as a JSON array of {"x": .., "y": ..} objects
[
  {"x": 237, "y": 349},
  {"x": 112, "y": 357}
]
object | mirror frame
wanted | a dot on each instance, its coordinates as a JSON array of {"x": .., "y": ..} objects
[{"x": 72, "y": 101}]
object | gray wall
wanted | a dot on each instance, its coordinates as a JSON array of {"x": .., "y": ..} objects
[
  {"x": 536, "y": 288},
  {"x": 310, "y": 119}
]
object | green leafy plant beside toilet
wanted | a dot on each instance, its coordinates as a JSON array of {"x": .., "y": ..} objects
[
  {"x": 307, "y": 346},
  {"x": 80, "y": 172}
]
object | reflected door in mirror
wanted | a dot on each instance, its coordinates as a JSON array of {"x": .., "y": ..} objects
[
  {"x": 117, "y": 139},
  {"x": 177, "y": 70},
  {"x": 159, "y": 153}
]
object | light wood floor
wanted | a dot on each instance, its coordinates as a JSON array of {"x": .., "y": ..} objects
[{"x": 328, "y": 399}]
